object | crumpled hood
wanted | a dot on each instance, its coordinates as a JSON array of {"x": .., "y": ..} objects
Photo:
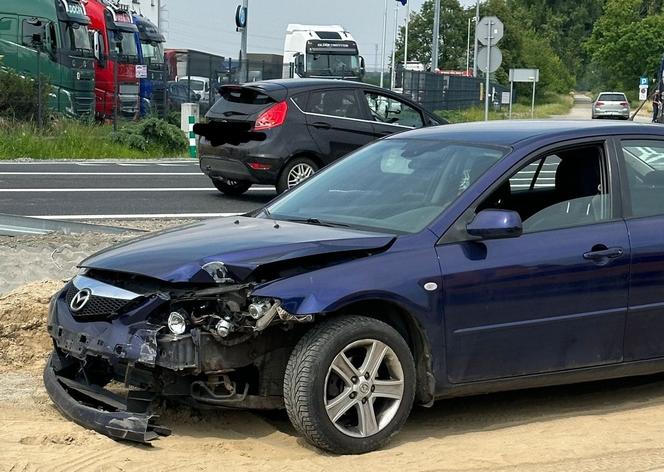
[{"x": 241, "y": 243}]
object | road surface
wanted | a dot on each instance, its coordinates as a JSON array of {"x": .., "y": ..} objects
[{"x": 107, "y": 190}]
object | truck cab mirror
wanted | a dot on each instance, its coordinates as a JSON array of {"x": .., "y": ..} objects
[
  {"x": 363, "y": 66},
  {"x": 98, "y": 44}
]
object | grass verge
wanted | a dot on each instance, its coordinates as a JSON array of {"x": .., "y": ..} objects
[
  {"x": 520, "y": 111},
  {"x": 69, "y": 140}
]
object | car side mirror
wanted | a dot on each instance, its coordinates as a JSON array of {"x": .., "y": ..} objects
[
  {"x": 496, "y": 224},
  {"x": 363, "y": 66}
]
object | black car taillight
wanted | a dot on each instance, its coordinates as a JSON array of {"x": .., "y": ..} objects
[{"x": 272, "y": 117}]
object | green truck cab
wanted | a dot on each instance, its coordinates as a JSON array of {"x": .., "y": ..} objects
[{"x": 50, "y": 38}]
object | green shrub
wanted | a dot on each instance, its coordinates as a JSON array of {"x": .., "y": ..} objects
[
  {"x": 19, "y": 96},
  {"x": 151, "y": 134}
]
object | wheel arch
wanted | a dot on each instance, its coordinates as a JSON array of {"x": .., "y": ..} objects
[{"x": 410, "y": 329}]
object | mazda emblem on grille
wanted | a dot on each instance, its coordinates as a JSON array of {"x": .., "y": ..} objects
[{"x": 79, "y": 300}]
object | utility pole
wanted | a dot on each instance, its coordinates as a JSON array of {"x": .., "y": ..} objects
[
  {"x": 382, "y": 54},
  {"x": 436, "y": 32},
  {"x": 477, "y": 22},
  {"x": 394, "y": 47},
  {"x": 405, "y": 42}
]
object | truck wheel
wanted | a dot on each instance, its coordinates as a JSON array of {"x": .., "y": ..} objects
[
  {"x": 297, "y": 170},
  {"x": 231, "y": 187},
  {"x": 349, "y": 384}
]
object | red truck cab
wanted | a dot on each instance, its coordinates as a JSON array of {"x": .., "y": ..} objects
[{"x": 113, "y": 33}]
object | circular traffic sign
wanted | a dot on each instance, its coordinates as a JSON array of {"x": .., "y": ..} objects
[{"x": 494, "y": 61}]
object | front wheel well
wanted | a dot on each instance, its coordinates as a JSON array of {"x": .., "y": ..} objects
[{"x": 409, "y": 328}]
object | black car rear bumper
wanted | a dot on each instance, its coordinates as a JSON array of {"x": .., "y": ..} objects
[{"x": 99, "y": 409}]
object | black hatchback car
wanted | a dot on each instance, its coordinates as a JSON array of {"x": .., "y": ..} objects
[{"x": 280, "y": 132}]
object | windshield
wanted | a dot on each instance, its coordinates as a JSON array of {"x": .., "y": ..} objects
[
  {"x": 77, "y": 38},
  {"x": 126, "y": 47},
  {"x": 612, "y": 97},
  {"x": 333, "y": 64},
  {"x": 153, "y": 52},
  {"x": 395, "y": 185}
]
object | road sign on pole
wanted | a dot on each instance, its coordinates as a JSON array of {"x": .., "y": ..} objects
[
  {"x": 643, "y": 81},
  {"x": 495, "y": 59},
  {"x": 490, "y": 31},
  {"x": 643, "y": 92}
]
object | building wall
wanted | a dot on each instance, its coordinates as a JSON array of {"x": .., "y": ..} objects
[{"x": 149, "y": 8}]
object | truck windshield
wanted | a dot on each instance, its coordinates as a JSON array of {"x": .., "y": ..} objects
[
  {"x": 333, "y": 64},
  {"x": 153, "y": 52},
  {"x": 77, "y": 38},
  {"x": 126, "y": 47}
]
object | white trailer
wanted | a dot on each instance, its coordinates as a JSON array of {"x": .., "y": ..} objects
[{"x": 323, "y": 51}]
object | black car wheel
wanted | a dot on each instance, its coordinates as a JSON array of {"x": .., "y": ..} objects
[
  {"x": 231, "y": 187},
  {"x": 297, "y": 170},
  {"x": 350, "y": 384}
]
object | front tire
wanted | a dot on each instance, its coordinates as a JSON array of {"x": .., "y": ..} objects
[
  {"x": 296, "y": 171},
  {"x": 231, "y": 187},
  {"x": 350, "y": 384}
]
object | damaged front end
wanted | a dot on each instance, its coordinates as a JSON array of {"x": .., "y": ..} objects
[{"x": 208, "y": 345}]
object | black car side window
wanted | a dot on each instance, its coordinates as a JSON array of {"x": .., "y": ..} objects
[
  {"x": 341, "y": 103},
  {"x": 389, "y": 110},
  {"x": 644, "y": 164}
]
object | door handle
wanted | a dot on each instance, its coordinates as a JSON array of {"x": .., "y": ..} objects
[
  {"x": 321, "y": 125},
  {"x": 603, "y": 254}
]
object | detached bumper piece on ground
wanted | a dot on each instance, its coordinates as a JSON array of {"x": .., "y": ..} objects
[{"x": 98, "y": 409}]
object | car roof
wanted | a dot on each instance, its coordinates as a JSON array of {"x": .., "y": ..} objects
[
  {"x": 304, "y": 84},
  {"x": 514, "y": 132}
]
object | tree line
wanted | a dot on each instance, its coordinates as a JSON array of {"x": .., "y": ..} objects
[{"x": 576, "y": 44}]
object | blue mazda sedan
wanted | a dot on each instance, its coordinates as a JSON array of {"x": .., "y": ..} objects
[{"x": 440, "y": 262}]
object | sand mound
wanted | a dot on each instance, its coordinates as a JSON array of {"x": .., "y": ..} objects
[{"x": 24, "y": 343}]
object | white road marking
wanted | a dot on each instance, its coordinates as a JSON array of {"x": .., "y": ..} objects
[
  {"x": 161, "y": 189},
  {"x": 23, "y": 230},
  {"x": 89, "y": 164},
  {"x": 135, "y": 216},
  {"x": 104, "y": 173},
  {"x": 131, "y": 165}
]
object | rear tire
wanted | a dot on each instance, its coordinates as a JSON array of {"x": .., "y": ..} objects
[
  {"x": 296, "y": 171},
  {"x": 349, "y": 384},
  {"x": 231, "y": 187}
]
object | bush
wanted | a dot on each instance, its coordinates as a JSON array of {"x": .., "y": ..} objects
[
  {"x": 152, "y": 134},
  {"x": 19, "y": 96}
]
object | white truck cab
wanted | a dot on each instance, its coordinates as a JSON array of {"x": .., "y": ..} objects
[{"x": 321, "y": 51}]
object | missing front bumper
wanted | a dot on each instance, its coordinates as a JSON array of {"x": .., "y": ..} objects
[{"x": 98, "y": 409}]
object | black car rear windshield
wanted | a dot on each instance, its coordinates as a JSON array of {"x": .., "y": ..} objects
[
  {"x": 239, "y": 101},
  {"x": 612, "y": 97}
]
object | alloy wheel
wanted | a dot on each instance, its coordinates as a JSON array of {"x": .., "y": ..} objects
[
  {"x": 299, "y": 173},
  {"x": 364, "y": 388}
]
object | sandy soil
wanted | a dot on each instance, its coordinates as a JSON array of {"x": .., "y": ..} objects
[{"x": 608, "y": 426}]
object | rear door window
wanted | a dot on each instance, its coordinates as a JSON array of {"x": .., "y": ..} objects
[
  {"x": 389, "y": 110},
  {"x": 644, "y": 164},
  {"x": 340, "y": 103}
]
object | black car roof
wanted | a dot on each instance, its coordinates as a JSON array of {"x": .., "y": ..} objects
[
  {"x": 508, "y": 133},
  {"x": 305, "y": 84}
]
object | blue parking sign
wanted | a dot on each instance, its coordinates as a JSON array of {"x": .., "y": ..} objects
[{"x": 643, "y": 81}]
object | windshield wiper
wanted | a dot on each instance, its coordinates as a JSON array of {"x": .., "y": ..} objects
[{"x": 317, "y": 222}]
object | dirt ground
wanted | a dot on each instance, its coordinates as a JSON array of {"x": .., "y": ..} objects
[{"x": 607, "y": 426}]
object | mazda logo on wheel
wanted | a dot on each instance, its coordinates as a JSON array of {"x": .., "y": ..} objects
[{"x": 79, "y": 301}]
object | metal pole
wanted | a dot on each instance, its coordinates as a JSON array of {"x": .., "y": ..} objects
[
  {"x": 116, "y": 90},
  {"x": 244, "y": 66},
  {"x": 532, "y": 106},
  {"x": 488, "y": 68},
  {"x": 394, "y": 47},
  {"x": 382, "y": 52},
  {"x": 468, "y": 49},
  {"x": 436, "y": 32},
  {"x": 477, "y": 22},
  {"x": 39, "y": 90},
  {"x": 511, "y": 93},
  {"x": 405, "y": 42}
]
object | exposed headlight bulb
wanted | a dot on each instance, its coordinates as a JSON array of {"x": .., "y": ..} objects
[
  {"x": 177, "y": 323},
  {"x": 223, "y": 327},
  {"x": 258, "y": 309}
]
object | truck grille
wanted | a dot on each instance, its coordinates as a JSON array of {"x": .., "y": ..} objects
[{"x": 97, "y": 307}]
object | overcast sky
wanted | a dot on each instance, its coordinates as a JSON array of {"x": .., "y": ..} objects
[{"x": 209, "y": 25}]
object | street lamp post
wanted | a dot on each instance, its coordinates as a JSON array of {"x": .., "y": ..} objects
[
  {"x": 382, "y": 52},
  {"x": 436, "y": 32},
  {"x": 394, "y": 47},
  {"x": 405, "y": 42},
  {"x": 477, "y": 22},
  {"x": 468, "y": 49}
]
